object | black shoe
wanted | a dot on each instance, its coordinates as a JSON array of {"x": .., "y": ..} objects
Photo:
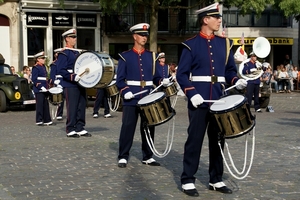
[
  {"x": 192, "y": 192},
  {"x": 151, "y": 162},
  {"x": 122, "y": 163},
  {"x": 86, "y": 135},
  {"x": 223, "y": 188}
]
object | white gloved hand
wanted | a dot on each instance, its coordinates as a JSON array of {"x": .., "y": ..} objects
[
  {"x": 253, "y": 70},
  {"x": 197, "y": 100},
  {"x": 241, "y": 84},
  {"x": 59, "y": 86},
  {"x": 258, "y": 65},
  {"x": 44, "y": 89},
  {"x": 56, "y": 82},
  {"x": 166, "y": 82},
  {"x": 128, "y": 95},
  {"x": 77, "y": 78}
]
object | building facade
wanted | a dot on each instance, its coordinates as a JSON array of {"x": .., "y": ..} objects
[{"x": 28, "y": 26}]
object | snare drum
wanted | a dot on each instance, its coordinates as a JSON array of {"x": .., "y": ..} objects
[
  {"x": 99, "y": 66},
  {"x": 112, "y": 89},
  {"x": 233, "y": 117},
  {"x": 171, "y": 89},
  {"x": 155, "y": 108},
  {"x": 56, "y": 95}
]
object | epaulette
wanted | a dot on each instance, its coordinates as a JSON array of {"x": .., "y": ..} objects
[
  {"x": 122, "y": 57},
  {"x": 186, "y": 46}
]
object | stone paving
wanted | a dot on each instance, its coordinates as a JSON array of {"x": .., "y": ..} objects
[{"x": 42, "y": 163}]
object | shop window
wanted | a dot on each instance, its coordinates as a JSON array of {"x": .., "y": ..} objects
[
  {"x": 35, "y": 40},
  {"x": 86, "y": 39}
]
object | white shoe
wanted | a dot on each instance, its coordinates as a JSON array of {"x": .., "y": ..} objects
[
  {"x": 39, "y": 123},
  {"x": 95, "y": 116},
  {"x": 107, "y": 115},
  {"x": 59, "y": 117},
  {"x": 72, "y": 133},
  {"x": 83, "y": 132},
  {"x": 48, "y": 123}
]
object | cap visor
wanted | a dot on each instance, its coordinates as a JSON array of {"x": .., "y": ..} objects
[{"x": 143, "y": 33}]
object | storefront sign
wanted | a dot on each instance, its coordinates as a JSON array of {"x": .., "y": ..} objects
[
  {"x": 273, "y": 41},
  {"x": 86, "y": 20},
  {"x": 62, "y": 19},
  {"x": 40, "y": 19}
]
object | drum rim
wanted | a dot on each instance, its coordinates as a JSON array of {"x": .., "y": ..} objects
[{"x": 61, "y": 90}]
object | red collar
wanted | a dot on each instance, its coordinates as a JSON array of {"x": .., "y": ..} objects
[
  {"x": 203, "y": 35},
  {"x": 138, "y": 52}
]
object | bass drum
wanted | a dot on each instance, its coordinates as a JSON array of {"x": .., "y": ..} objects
[{"x": 96, "y": 69}]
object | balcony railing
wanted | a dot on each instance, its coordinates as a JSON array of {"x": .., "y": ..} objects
[{"x": 173, "y": 24}]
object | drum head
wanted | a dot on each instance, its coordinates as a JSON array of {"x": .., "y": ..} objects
[
  {"x": 92, "y": 62},
  {"x": 231, "y": 101},
  {"x": 151, "y": 98},
  {"x": 55, "y": 90}
]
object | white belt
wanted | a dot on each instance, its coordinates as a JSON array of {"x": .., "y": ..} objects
[
  {"x": 58, "y": 76},
  {"x": 140, "y": 83},
  {"x": 208, "y": 78},
  {"x": 42, "y": 78},
  {"x": 70, "y": 70}
]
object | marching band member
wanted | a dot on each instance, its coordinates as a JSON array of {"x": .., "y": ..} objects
[
  {"x": 253, "y": 85},
  {"x": 209, "y": 60},
  {"x": 164, "y": 68},
  {"x": 40, "y": 88},
  {"x": 136, "y": 72},
  {"x": 56, "y": 79},
  {"x": 75, "y": 95}
]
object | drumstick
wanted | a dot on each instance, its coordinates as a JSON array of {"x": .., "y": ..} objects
[
  {"x": 214, "y": 101},
  {"x": 141, "y": 92},
  {"x": 231, "y": 87},
  {"x": 86, "y": 70},
  {"x": 171, "y": 78}
]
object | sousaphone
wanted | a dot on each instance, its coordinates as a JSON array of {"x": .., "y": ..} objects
[{"x": 261, "y": 48}]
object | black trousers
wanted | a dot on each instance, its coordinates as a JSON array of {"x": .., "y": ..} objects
[
  {"x": 253, "y": 90},
  {"x": 200, "y": 119},
  {"x": 101, "y": 99},
  {"x": 129, "y": 121},
  {"x": 76, "y": 105},
  {"x": 42, "y": 107}
]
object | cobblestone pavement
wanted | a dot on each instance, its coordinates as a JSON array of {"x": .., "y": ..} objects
[{"x": 42, "y": 163}]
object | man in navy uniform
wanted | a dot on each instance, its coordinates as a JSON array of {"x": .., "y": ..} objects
[
  {"x": 136, "y": 72},
  {"x": 56, "y": 79},
  {"x": 164, "y": 68},
  {"x": 206, "y": 63},
  {"x": 75, "y": 95},
  {"x": 253, "y": 85},
  {"x": 40, "y": 88}
]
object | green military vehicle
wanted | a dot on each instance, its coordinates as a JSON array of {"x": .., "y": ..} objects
[{"x": 14, "y": 91}]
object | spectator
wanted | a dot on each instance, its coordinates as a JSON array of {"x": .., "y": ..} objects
[
  {"x": 295, "y": 76},
  {"x": 287, "y": 60},
  {"x": 284, "y": 80},
  {"x": 14, "y": 71},
  {"x": 27, "y": 73},
  {"x": 101, "y": 99},
  {"x": 268, "y": 77}
]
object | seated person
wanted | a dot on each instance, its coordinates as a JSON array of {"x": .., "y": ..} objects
[{"x": 284, "y": 79}]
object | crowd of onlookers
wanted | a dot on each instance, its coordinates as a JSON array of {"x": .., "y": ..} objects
[{"x": 282, "y": 79}]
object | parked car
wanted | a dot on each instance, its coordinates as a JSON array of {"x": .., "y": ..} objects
[{"x": 14, "y": 91}]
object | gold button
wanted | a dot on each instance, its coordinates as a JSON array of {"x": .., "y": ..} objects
[
  {"x": 211, "y": 53},
  {"x": 212, "y": 60},
  {"x": 210, "y": 46},
  {"x": 208, "y": 40}
]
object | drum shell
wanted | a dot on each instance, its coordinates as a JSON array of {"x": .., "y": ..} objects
[
  {"x": 171, "y": 89},
  {"x": 112, "y": 89},
  {"x": 235, "y": 121},
  {"x": 157, "y": 111},
  {"x": 57, "y": 97}
]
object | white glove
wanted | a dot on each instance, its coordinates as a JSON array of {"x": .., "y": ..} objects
[
  {"x": 56, "y": 82},
  {"x": 44, "y": 89},
  {"x": 241, "y": 84},
  {"x": 77, "y": 78},
  {"x": 128, "y": 95},
  {"x": 197, "y": 100},
  {"x": 59, "y": 86},
  {"x": 258, "y": 65},
  {"x": 166, "y": 82},
  {"x": 253, "y": 70}
]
